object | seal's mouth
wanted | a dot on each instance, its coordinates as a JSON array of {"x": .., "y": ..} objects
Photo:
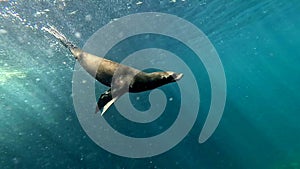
[{"x": 177, "y": 76}]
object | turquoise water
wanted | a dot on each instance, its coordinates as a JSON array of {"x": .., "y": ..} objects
[{"x": 258, "y": 44}]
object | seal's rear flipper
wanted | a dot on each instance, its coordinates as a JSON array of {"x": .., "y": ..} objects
[
  {"x": 105, "y": 101},
  {"x": 58, "y": 35}
]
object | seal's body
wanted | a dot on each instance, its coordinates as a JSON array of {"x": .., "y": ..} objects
[{"x": 120, "y": 78}]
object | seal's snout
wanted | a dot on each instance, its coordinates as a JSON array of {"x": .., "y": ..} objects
[{"x": 177, "y": 76}]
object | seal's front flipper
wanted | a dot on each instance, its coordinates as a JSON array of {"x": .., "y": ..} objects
[
  {"x": 105, "y": 101},
  {"x": 108, "y": 105}
]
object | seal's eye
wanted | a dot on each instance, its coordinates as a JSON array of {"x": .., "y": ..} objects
[
  {"x": 165, "y": 77},
  {"x": 170, "y": 78}
]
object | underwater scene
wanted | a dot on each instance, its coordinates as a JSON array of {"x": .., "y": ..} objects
[{"x": 220, "y": 86}]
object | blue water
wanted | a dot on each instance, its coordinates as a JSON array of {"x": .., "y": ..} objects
[{"x": 257, "y": 41}]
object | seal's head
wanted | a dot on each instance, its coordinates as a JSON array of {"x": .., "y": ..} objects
[
  {"x": 148, "y": 81},
  {"x": 171, "y": 76},
  {"x": 162, "y": 78}
]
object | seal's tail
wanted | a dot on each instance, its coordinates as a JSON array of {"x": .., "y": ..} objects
[{"x": 61, "y": 37}]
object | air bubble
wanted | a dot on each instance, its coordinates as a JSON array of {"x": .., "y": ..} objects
[
  {"x": 78, "y": 35},
  {"x": 88, "y": 17},
  {"x": 3, "y": 31},
  {"x": 139, "y": 3}
]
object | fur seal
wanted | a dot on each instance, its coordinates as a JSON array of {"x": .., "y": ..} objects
[{"x": 120, "y": 78}]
